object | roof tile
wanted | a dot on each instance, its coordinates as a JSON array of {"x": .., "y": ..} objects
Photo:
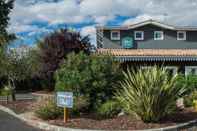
[{"x": 148, "y": 52}]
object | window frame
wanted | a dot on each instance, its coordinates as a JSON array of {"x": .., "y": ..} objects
[
  {"x": 115, "y": 38},
  {"x": 142, "y": 33},
  {"x": 189, "y": 68},
  {"x": 184, "y": 34},
  {"x": 162, "y": 35},
  {"x": 175, "y": 69}
]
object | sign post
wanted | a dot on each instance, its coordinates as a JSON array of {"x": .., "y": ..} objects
[
  {"x": 65, "y": 115},
  {"x": 65, "y": 100}
]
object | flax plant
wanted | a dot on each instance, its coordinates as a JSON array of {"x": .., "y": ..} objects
[{"x": 149, "y": 93}]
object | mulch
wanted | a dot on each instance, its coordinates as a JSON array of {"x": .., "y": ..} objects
[{"x": 125, "y": 122}]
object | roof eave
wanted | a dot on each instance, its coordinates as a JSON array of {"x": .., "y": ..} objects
[{"x": 160, "y": 24}]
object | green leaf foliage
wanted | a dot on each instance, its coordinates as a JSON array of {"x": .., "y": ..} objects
[
  {"x": 149, "y": 93},
  {"x": 109, "y": 109},
  {"x": 6, "y": 91},
  {"x": 49, "y": 110},
  {"x": 92, "y": 76},
  {"x": 54, "y": 48},
  {"x": 190, "y": 98},
  {"x": 5, "y": 8},
  {"x": 189, "y": 81}
]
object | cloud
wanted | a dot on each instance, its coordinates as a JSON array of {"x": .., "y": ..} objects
[
  {"x": 143, "y": 17},
  {"x": 91, "y": 31},
  {"x": 103, "y": 11},
  {"x": 54, "y": 12},
  {"x": 181, "y": 12}
]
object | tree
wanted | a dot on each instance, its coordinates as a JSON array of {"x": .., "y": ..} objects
[
  {"x": 54, "y": 48},
  {"x": 16, "y": 67},
  {"x": 5, "y": 8},
  {"x": 89, "y": 76}
]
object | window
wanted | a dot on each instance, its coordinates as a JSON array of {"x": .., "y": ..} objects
[
  {"x": 172, "y": 70},
  {"x": 191, "y": 70},
  {"x": 115, "y": 35},
  {"x": 181, "y": 35},
  {"x": 158, "y": 35},
  {"x": 139, "y": 35}
]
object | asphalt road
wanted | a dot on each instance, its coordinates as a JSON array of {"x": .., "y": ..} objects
[{"x": 10, "y": 123}]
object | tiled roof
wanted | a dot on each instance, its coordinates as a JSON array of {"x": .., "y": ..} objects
[{"x": 148, "y": 52}]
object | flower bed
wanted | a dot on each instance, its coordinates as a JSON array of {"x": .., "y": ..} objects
[
  {"x": 125, "y": 122},
  {"x": 91, "y": 121}
]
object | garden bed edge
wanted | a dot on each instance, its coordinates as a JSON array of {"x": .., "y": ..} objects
[{"x": 45, "y": 126}]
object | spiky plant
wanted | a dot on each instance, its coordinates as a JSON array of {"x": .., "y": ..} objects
[{"x": 151, "y": 94}]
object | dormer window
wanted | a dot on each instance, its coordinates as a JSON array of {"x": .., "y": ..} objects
[
  {"x": 181, "y": 35},
  {"x": 139, "y": 35},
  {"x": 115, "y": 35},
  {"x": 158, "y": 35}
]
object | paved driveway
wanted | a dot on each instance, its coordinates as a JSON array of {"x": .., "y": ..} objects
[{"x": 10, "y": 123}]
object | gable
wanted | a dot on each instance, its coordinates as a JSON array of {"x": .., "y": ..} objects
[
  {"x": 151, "y": 22},
  {"x": 149, "y": 27}
]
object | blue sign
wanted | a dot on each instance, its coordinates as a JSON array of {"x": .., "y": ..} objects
[
  {"x": 65, "y": 99},
  {"x": 127, "y": 42}
]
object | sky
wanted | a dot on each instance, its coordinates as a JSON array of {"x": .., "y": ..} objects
[{"x": 31, "y": 20}]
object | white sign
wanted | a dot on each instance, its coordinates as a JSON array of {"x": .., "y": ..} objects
[{"x": 65, "y": 99}]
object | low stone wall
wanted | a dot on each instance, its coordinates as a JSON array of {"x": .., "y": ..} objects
[{"x": 40, "y": 97}]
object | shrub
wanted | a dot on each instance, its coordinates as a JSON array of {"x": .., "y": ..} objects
[
  {"x": 151, "y": 94},
  {"x": 6, "y": 91},
  {"x": 81, "y": 103},
  {"x": 92, "y": 76},
  {"x": 49, "y": 110},
  {"x": 189, "y": 81},
  {"x": 188, "y": 99},
  {"x": 109, "y": 109}
]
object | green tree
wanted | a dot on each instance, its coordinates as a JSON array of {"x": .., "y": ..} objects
[
  {"x": 90, "y": 76},
  {"x": 5, "y": 8},
  {"x": 16, "y": 67}
]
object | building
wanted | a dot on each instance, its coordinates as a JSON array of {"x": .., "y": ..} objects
[{"x": 149, "y": 43}]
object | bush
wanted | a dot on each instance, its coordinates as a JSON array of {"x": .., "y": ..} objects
[
  {"x": 81, "y": 103},
  {"x": 109, "y": 109},
  {"x": 189, "y": 99},
  {"x": 189, "y": 81},
  {"x": 92, "y": 76},
  {"x": 48, "y": 110},
  {"x": 151, "y": 94},
  {"x": 6, "y": 91}
]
